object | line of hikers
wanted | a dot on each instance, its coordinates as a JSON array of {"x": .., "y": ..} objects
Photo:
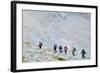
[{"x": 83, "y": 52}]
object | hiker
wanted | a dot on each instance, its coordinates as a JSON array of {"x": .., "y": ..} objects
[
  {"x": 65, "y": 49},
  {"x": 60, "y": 48},
  {"x": 73, "y": 51},
  {"x": 55, "y": 48},
  {"x": 83, "y": 53},
  {"x": 40, "y": 45}
]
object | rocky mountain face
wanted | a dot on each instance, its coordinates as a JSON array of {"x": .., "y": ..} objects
[{"x": 69, "y": 29}]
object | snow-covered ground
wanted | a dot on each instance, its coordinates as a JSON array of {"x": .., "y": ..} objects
[{"x": 62, "y": 28}]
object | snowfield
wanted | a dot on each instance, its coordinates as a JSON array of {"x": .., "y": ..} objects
[{"x": 62, "y": 28}]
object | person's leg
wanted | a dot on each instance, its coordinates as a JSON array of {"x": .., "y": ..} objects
[
  {"x": 73, "y": 53},
  {"x": 40, "y": 47},
  {"x": 60, "y": 51},
  {"x": 65, "y": 52},
  {"x": 55, "y": 51},
  {"x": 83, "y": 56}
]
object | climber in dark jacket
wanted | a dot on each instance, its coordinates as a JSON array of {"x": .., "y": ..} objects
[
  {"x": 40, "y": 45},
  {"x": 60, "y": 48},
  {"x": 83, "y": 52},
  {"x": 55, "y": 48},
  {"x": 65, "y": 49},
  {"x": 73, "y": 51}
]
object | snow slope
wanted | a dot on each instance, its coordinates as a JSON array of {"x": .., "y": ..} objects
[{"x": 61, "y": 28}]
